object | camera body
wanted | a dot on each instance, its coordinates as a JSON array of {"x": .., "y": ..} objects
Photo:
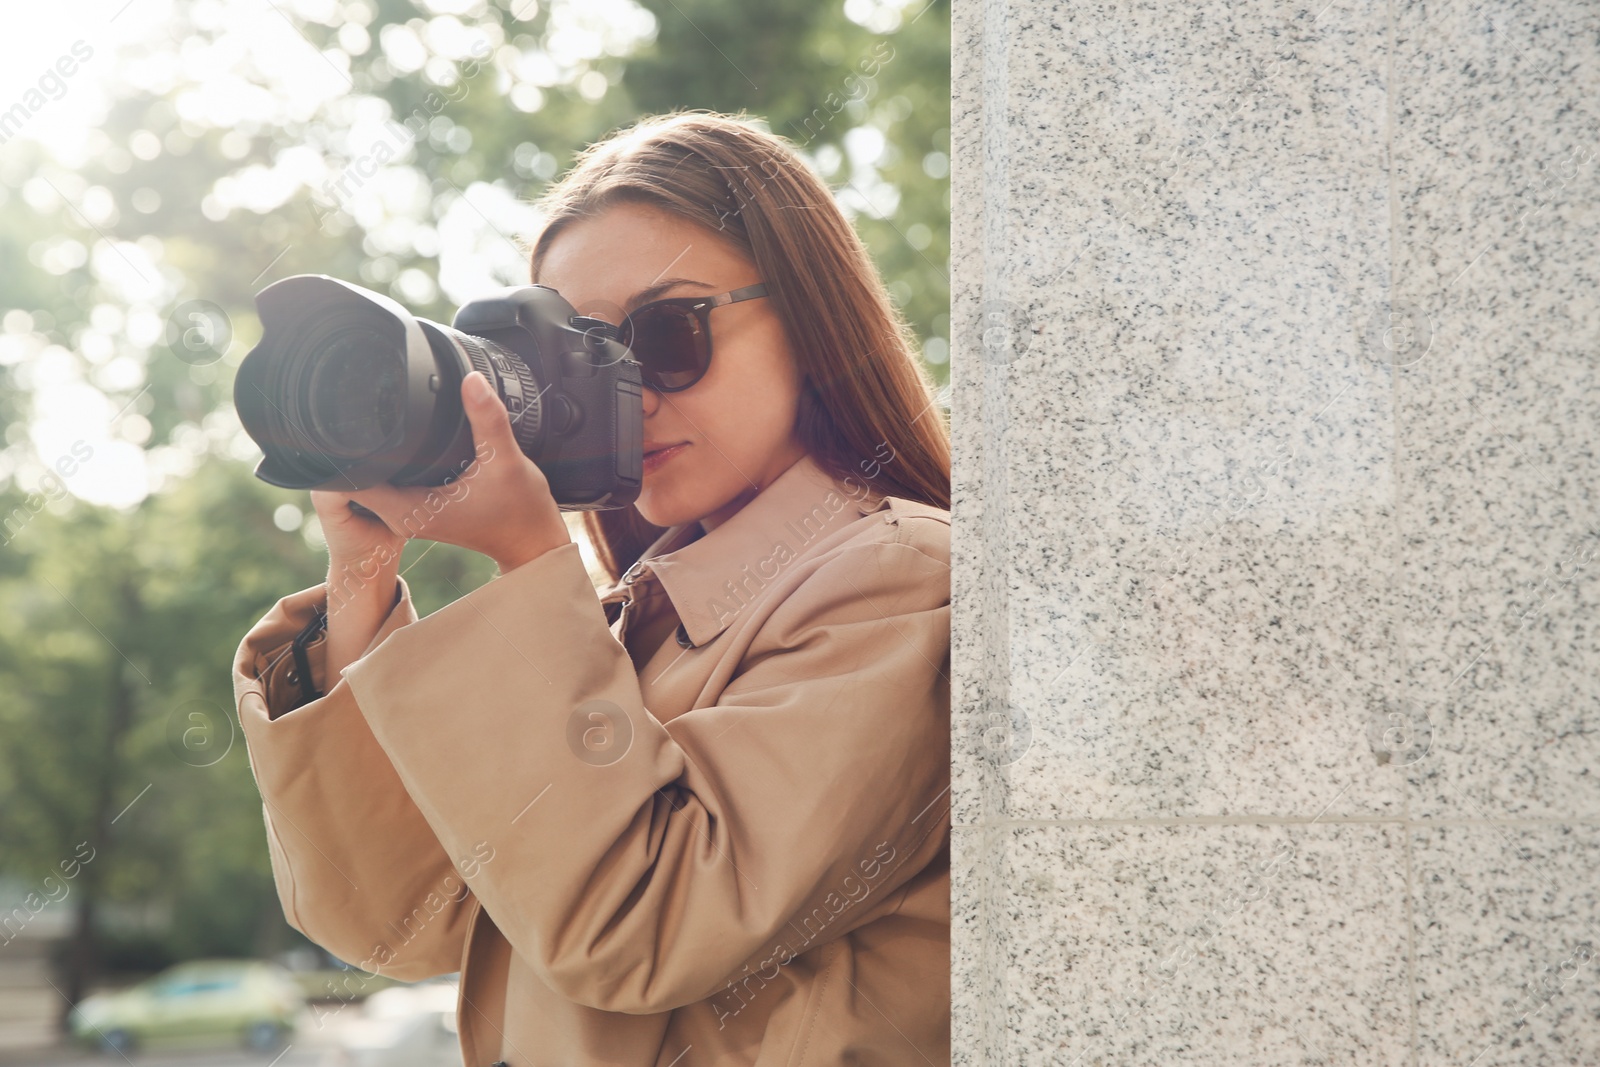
[
  {"x": 586, "y": 432},
  {"x": 347, "y": 390}
]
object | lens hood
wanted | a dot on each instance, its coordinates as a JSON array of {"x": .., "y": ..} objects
[{"x": 284, "y": 390}]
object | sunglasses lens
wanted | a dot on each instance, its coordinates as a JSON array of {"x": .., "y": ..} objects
[{"x": 669, "y": 344}]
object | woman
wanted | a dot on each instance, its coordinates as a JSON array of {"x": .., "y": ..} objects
[{"x": 700, "y": 818}]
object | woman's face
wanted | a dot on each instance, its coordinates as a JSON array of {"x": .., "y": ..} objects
[{"x": 737, "y": 422}]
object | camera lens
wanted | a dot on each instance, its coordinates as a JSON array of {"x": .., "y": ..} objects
[
  {"x": 339, "y": 392},
  {"x": 355, "y": 393},
  {"x": 347, "y": 389}
]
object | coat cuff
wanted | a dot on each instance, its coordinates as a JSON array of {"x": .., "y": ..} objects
[
  {"x": 285, "y": 654},
  {"x": 356, "y": 867}
]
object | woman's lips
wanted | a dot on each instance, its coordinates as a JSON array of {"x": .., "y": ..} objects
[{"x": 652, "y": 460}]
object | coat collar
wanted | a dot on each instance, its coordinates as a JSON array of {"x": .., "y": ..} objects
[{"x": 711, "y": 577}]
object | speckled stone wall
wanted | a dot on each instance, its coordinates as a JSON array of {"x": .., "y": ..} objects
[{"x": 1277, "y": 660}]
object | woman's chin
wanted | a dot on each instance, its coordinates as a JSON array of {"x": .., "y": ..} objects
[{"x": 657, "y": 509}]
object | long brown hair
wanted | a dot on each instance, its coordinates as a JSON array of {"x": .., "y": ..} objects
[{"x": 865, "y": 392}]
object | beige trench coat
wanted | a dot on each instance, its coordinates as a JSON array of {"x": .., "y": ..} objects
[{"x": 735, "y": 852}]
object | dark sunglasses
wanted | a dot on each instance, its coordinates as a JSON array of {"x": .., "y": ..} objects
[{"x": 671, "y": 338}]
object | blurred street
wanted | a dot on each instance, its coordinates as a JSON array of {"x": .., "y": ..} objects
[
  {"x": 25, "y": 1041},
  {"x": 292, "y": 1055},
  {"x": 398, "y": 1026}
]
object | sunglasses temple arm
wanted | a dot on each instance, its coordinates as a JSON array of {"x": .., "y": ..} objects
[{"x": 749, "y": 292}]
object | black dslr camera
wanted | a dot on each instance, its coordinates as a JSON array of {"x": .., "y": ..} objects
[{"x": 347, "y": 390}]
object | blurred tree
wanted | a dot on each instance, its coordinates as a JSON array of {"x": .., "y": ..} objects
[{"x": 116, "y": 703}]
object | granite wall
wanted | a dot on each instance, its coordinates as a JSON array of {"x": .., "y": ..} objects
[{"x": 1276, "y": 654}]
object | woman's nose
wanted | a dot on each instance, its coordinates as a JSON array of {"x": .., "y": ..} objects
[{"x": 652, "y": 401}]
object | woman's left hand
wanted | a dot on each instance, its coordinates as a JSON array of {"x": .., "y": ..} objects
[{"x": 500, "y": 505}]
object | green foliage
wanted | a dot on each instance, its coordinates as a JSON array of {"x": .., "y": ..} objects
[{"x": 154, "y": 602}]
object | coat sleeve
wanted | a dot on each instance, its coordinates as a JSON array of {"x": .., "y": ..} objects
[
  {"x": 656, "y": 872},
  {"x": 357, "y": 868}
]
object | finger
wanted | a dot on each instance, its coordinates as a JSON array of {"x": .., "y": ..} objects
[
  {"x": 335, "y": 508},
  {"x": 325, "y": 503},
  {"x": 392, "y": 504},
  {"x": 491, "y": 423}
]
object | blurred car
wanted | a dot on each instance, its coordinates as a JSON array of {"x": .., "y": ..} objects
[
  {"x": 402, "y": 1026},
  {"x": 249, "y": 1000}
]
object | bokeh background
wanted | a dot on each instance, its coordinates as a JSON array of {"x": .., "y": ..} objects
[{"x": 160, "y": 162}]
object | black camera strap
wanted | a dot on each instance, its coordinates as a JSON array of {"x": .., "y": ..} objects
[{"x": 302, "y": 660}]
